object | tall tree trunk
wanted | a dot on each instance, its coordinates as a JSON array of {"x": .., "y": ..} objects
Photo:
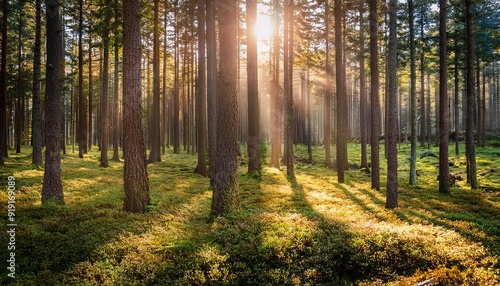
[
  {"x": 52, "y": 189},
  {"x": 253, "y": 91},
  {"x": 104, "y": 93},
  {"x": 288, "y": 88},
  {"x": 392, "y": 150},
  {"x": 175, "y": 113},
  {"x": 37, "y": 99},
  {"x": 116, "y": 81},
  {"x": 3, "y": 83},
  {"x": 90, "y": 117},
  {"x": 374, "y": 95},
  {"x": 211, "y": 87},
  {"x": 20, "y": 85},
  {"x": 328, "y": 97},
  {"x": 444, "y": 173},
  {"x": 423, "y": 120},
  {"x": 413, "y": 99},
  {"x": 342, "y": 106},
  {"x": 471, "y": 99},
  {"x": 155, "y": 155},
  {"x": 225, "y": 185},
  {"x": 275, "y": 128},
  {"x": 456, "y": 109},
  {"x": 362, "y": 87},
  {"x": 82, "y": 104},
  {"x": 480, "y": 105},
  {"x": 201, "y": 94},
  {"x": 135, "y": 173}
]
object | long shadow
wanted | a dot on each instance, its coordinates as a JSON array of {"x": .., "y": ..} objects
[{"x": 361, "y": 204}]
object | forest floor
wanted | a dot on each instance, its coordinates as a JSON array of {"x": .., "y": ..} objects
[{"x": 310, "y": 232}]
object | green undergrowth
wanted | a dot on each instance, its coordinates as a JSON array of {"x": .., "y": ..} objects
[{"x": 313, "y": 231}]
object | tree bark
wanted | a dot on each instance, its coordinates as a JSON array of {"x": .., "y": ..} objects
[
  {"x": 155, "y": 154},
  {"x": 444, "y": 183},
  {"x": 253, "y": 91},
  {"x": 392, "y": 150},
  {"x": 37, "y": 100},
  {"x": 135, "y": 175},
  {"x": 288, "y": 88},
  {"x": 82, "y": 104},
  {"x": 413, "y": 99},
  {"x": 328, "y": 97},
  {"x": 374, "y": 95},
  {"x": 201, "y": 94},
  {"x": 211, "y": 87},
  {"x": 116, "y": 80},
  {"x": 104, "y": 92},
  {"x": 362, "y": 87},
  {"x": 225, "y": 185},
  {"x": 52, "y": 190},
  {"x": 471, "y": 99},
  {"x": 342, "y": 105}
]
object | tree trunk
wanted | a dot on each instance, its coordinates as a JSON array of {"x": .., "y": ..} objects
[
  {"x": 392, "y": 150},
  {"x": 176, "y": 133},
  {"x": 104, "y": 93},
  {"x": 253, "y": 91},
  {"x": 374, "y": 94},
  {"x": 82, "y": 104},
  {"x": 342, "y": 106},
  {"x": 91, "y": 113},
  {"x": 275, "y": 128},
  {"x": 135, "y": 175},
  {"x": 362, "y": 87},
  {"x": 201, "y": 94},
  {"x": 471, "y": 99},
  {"x": 20, "y": 85},
  {"x": 37, "y": 100},
  {"x": 413, "y": 99},
  {"x": 211, "y": 87},
  {"x": 52, "y": 189},
  {"x": 328, "y": 97},
  {"x": 155, "y": 155},
  {"x": 444, "y": 183},
  {"x": 288, "y": 88},
  {"x": 225, "y": 185},
  {"x": 116, "y": 80}
]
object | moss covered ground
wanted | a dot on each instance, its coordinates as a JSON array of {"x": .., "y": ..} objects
[{"x": 313, "y": 231}]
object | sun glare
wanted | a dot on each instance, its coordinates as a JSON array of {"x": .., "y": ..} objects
[{"x": 262, "y": 27}]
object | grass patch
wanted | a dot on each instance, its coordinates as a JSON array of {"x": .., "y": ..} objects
[{"x": 310, "y": 232}]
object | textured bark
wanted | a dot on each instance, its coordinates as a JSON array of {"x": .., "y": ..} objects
[
  {"x": 104, "y": 91},
  {"x": 52, "y": 189},
  {"x": 19, "y": 116},
  {"x": 362, "y": 87},
  {"x": 374, "y": 95},
  {"x": 288, "y": 88},
  {"x": 211, "y": 86},
  {"x": 135, "y": 175},
  {"x": 82, "y": 103},
  {"x": 342, "y": 106},
  {"x": 444, "y": 173},
  {"x": 3, "y": 83},
  {"x": 413, "y": 99},
  {"x": 201, "y": 94},
  {"x": 275, "y": 128},
  {"x": 37, "y": 100},
  {"x": 90, "y": 128},
  {"x": 328, "y": 98},
  {"x": 392, "y": 139},
  {"x": 116, "y": 79},
  {"x": 456, "y": 108},
  {"x": 175, "y": 113},
  {"x": 253, "y": 91},
  {"x": 225, "y": 185},
  {"x": 155, "y": 155},
  {"x": 471, "y": 99}
]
